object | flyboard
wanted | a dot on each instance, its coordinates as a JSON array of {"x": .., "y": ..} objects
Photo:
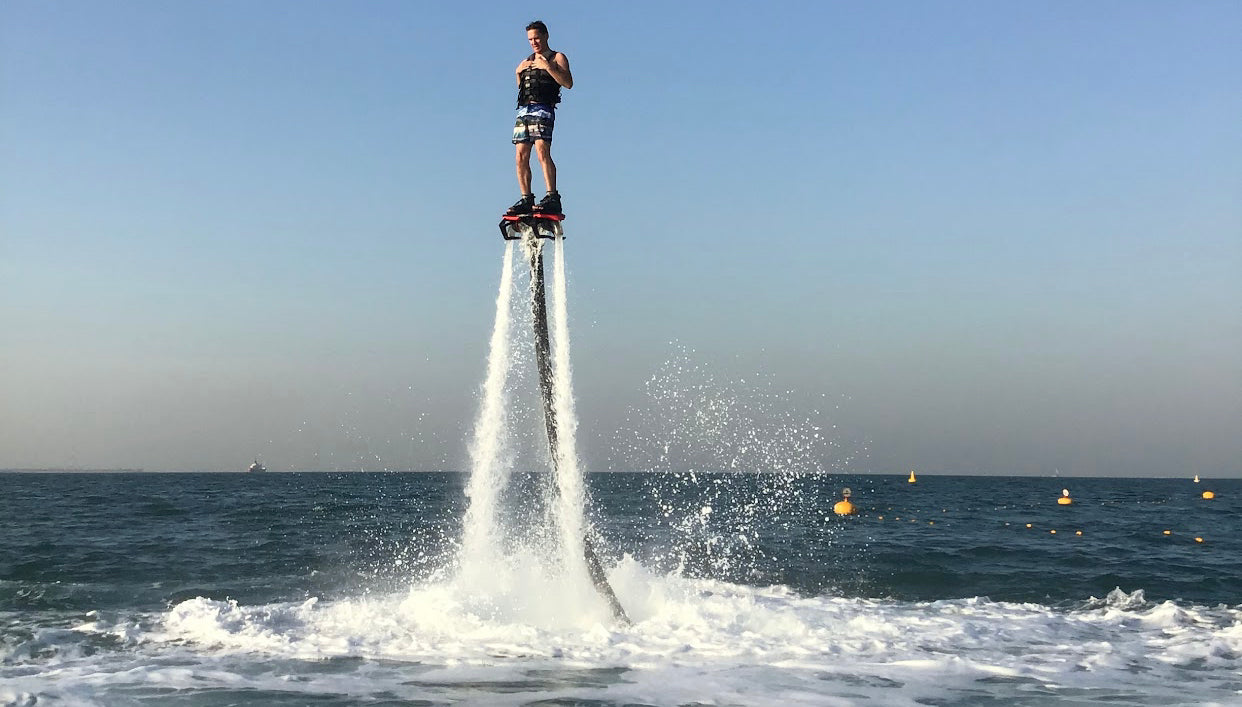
[
  {"x": 514, "y": 227},
  {"x": 534, "y": 229}
]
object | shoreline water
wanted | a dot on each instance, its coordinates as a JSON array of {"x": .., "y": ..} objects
[
  {"x": 1204, "y": 477},
  {"x": 341, "y": 589}
]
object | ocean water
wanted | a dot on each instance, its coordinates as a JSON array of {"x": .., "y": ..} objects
[{"x": 744, "y": 589}]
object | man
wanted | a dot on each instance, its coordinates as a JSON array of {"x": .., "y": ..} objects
[{"x": 540, "y": 78}]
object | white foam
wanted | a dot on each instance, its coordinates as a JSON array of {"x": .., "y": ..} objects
[
  {"x": 720, "y": 641},
  {"x": 531, "y": 636}
]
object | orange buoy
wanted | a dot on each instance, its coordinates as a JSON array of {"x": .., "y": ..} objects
[
  {"x": 1209, "y": 494},
  {"x": 844, "y": 507}
]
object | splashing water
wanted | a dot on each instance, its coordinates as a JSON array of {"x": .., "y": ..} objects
[
  {"x": 698, "y": 427},
  {"x": 709, "y": 422},
  {"x": 523, "y": 534},
  {"x": 489, "y": 456},
  {"x": 572, "y": 496}
]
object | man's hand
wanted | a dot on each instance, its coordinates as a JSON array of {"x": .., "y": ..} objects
[{"x": 558, "y": 69}]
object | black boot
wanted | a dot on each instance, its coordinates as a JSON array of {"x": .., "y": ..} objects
[
  {"x": 550, "y": 204},
  {"x": 525, "y": 205}
]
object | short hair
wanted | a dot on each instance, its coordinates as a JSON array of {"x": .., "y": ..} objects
[{"x": 538, "y": 26}]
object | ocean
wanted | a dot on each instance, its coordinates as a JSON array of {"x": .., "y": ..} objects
[{"x": 349, "y": 589}]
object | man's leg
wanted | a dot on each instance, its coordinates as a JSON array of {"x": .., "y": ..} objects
[
  {"x": 523, "y": 167},
  {"x": 543, "y": 148}
]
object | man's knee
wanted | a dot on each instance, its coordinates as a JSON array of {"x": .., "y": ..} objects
[
  {"x": 543, "y": 149},
  {"x": 523, "y": 152}
]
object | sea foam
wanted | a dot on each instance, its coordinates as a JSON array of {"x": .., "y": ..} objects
[{"x": 759, "y": 645}]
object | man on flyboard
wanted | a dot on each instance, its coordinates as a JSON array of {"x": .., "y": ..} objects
[{"x": 540, "y": 78}]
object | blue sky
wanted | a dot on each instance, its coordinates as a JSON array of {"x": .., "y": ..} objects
[{"x": 1007, "y": 237}]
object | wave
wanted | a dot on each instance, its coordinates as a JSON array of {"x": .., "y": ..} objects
[{"x": 527, "y": 637}]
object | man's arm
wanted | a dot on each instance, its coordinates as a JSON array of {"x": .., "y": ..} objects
[{"x": 558, "y": 67}]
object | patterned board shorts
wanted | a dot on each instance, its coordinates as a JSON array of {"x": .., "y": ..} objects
[{"x": 534, "y": 122}]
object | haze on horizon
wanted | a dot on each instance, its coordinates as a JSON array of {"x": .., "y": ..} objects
[{"x": 977, "y": 238}]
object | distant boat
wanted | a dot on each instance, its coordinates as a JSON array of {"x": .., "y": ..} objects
[
  {"x": 1196, "y": 478},
  {"x": 256, "y": 467},
  {"x": 911, "y": 479}
]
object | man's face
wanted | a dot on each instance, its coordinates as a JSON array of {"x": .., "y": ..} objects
[{"x": 538, "y": 40}]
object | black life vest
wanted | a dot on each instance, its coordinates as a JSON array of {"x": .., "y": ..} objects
[{"x": 537, "y": 86}]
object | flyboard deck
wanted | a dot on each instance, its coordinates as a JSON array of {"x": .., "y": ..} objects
[
  {"x": 513, "y": 227},
  {"x": 543, "y": 359}
]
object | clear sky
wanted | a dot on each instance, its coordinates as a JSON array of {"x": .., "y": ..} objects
[{"x": 1003, "y": 237}]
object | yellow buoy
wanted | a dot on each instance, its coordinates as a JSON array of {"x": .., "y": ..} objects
[
  {"x": 911, "y": 479},
  {"x": 1209, "y": 494},
  {"x": 1053, "y": 532},
  {"x": 1168, "y": 532},
  {"x": 1065, "y": 499},
  {"x": 1078, "y": 533},
  {"x": 844, "y": 507},
  {"x": 1198, "y": 540}
]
